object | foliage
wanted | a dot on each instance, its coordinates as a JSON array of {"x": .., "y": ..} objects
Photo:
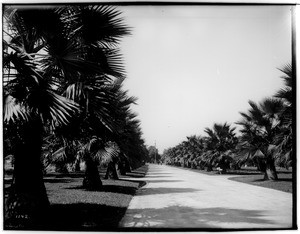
[
  {"x": 63, "y": 72},
  {"x": 153, "y": 155},
  {"x": 265, "y": 137}
]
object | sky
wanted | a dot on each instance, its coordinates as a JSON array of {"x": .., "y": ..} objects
[{"x": 193, "y": 66}]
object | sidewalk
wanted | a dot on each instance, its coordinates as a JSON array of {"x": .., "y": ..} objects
[{"x": 176, "y": 198}]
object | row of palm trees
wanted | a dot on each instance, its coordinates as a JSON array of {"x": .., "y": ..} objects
[
  {"x": 63, "y": 98},
  {"x": 265, "y": 138}
]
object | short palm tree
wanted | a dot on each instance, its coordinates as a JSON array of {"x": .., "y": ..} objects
[
  {"x": 220, "y": 140},
  {"x": 259, "y": 128}
]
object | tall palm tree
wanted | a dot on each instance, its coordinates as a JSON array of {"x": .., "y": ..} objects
[
  {"x": 120, "y": 126},
  {"x": 103, "y": 102},
  {"x": 129, "y": 134},
  {"x": 284, "y": 139},
  {"x": 57, "y": 60},
  {"x": 30, "y": 101}
]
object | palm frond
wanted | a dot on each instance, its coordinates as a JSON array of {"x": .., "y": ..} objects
[
  {"x": 272, "y": 106},
  {"x": 102, "y": 25},
  {"x": 14, "y": 111},
  {"x": 109, "y": 60},
  {"x": 286, "y": 94},
  {"x": 54, "y": 107},
  {"x": 288, "y": 74},
  {"x": 59, "y": 155}
]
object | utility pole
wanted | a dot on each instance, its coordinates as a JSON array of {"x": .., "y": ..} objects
[{"x": 155, "y": 152}]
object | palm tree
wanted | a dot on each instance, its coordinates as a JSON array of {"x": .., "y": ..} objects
[
  {"x": 120, "y": 126},
  {"x": 284, "y": 139},
  {"x": 111, "y": 158},
  {"x": 221, "y": 139},
  {"x": 128, "y": 134},
  {"x": 30, "y": 101},
  {"x": 50, "y": 52},
  {"x": 105, "y": 108},
  {"x": 193, "y": 147},
  {"x": 259, "y": 128}
]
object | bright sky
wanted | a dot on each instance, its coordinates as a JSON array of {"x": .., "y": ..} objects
[{"x": 193, "y": 66}]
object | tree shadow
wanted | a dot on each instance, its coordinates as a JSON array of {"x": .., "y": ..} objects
[
  {"x": 79, "y": 217},
  {"x": 284, "y": 172},
  {"x": 241, "y": 173},
  {"x": 134, "y": 174},
  {"x": 163, "y": 190},
  {"x": 188, "y": 217},
  {"x": 285, "y": 179},
  {"x": 65, "y": 175},
  {"x": 159, "y": 174},
  {"x": 58, "y": 180},
  {"x": 150, "y": 176},
  {"x": 260, "y": 180},
  {"x": 140, "y": 182},
  {"x": 278, "y": 180},
  {"x": 164, "y": 181},
  {"x": 142, "y": 169},
  {"x": 128, "y": 190}
]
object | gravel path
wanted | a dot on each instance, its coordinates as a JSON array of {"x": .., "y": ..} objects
[{"x": 177, "y": 198}]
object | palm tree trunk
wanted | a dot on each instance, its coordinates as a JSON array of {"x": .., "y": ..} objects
[
  {"x": 91, "y": 179},
  {"x": 76, "y": 165},
  {"x": 201, "y": 165},
  {"x": 127, "y": 165},
  {"x": 62, "y": 168},
  {"x": 209, "y": 168},
  {"x": 261, "y": 165},
  {"x": 121, "y": 167},
  {"x": 27, "y": 198},
  {"x": 270, "y": 172},
  {"x": 223, "y": 165},
  {"x": 111, "y": 171}
]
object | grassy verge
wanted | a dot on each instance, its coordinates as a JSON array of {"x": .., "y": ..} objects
[
  {"x": 74, "y": 209},
  {"x": 250, "y": 175},
  {"x": 284, "y": 182}
]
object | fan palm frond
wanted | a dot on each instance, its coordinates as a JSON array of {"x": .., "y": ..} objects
[
  {"x": 102, "y": 25},
  {"x": 272, "y": 106},
  {"x": 110, "y": 153},
  {"x": 13, "y": 110}
]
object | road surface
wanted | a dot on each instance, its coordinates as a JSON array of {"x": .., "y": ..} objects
[{"x": 179, "y": 198}]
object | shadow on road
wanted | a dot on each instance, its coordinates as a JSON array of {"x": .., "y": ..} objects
[
  {"x": 164, "y": 181},
  {"x": 163, "y": 190},
  {"x": 187, "y": 217},
  {"x": 134, "y": 174},
  {"x": 156, "y": 176}
]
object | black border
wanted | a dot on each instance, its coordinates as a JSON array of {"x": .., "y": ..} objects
[{"x": 294, "y": 124}]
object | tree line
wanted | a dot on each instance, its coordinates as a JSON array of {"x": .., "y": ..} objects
[
  {"x": 63, "y": 100},
  {"x": 265, "y": 138}
]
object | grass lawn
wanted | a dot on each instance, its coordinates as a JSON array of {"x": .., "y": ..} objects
[
  {"x": 284, "y": 182},
  {"x": 250, "y": 175},
  {"x": 73, "y": 208}
]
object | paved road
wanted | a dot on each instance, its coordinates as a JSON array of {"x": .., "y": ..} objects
[{"x": 178, "y": 198}]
